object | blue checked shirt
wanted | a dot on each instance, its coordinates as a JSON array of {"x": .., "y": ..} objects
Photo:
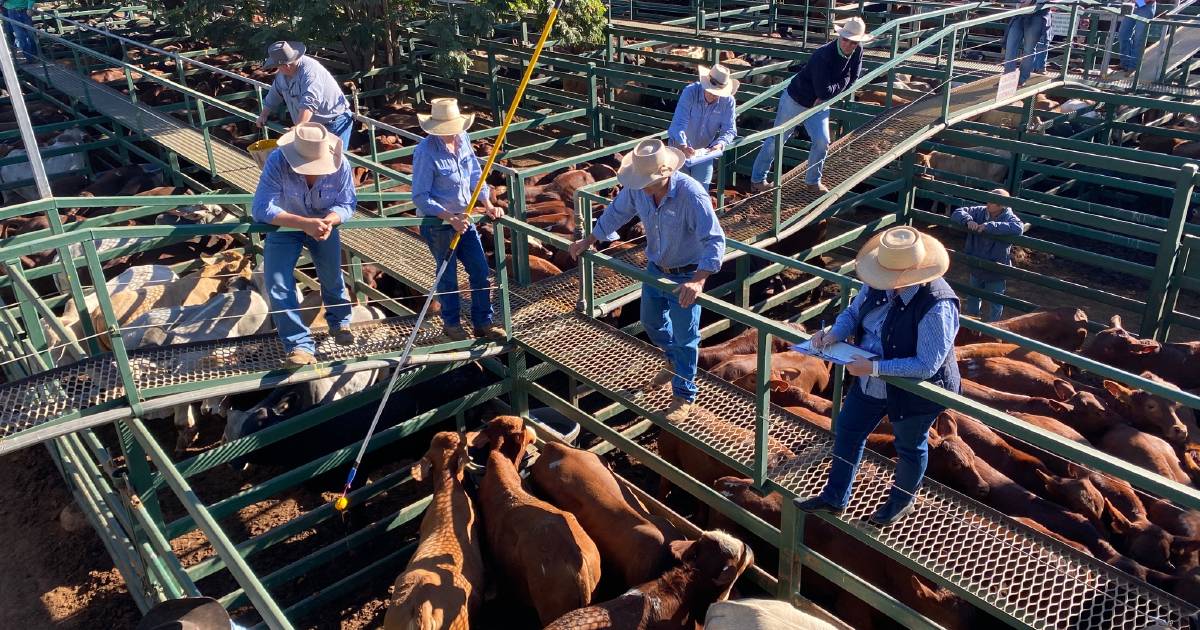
[
  {"x": 280, "y": 189},
  {"x": 682, "y": 230},
  {"x": 935, "y": 338},
  {"x": 443, "y": 181},
  {"x": 311, "y": 88},
  {"x": 700, "y": 125}
]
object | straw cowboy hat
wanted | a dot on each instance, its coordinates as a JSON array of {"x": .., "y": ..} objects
[
  {"x": 718, "y": 81},
  {"x": 311, "y": 150},
  {"x": 280, "y": 53},
  {"x": 854, "y": 30},
  {"x": 901, "y": 257},
  {"x": 188, "y": 613},
  {"x": 444, "y": 118},
  {"x": 650, "y": 161}
]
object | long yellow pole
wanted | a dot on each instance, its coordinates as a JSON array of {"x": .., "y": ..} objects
[{"x": 342, "y": 502}]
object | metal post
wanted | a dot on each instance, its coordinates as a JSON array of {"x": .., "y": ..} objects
[
  {"x": 13, "y": 85},
  {"x": 762, "y": 409},
  {"x": 586, "y": 277},
  {"x": 839, "y": 372},
  {"x": 502, "y": 280},
  {"x": 1168, "y": 252},
  {"x": 594, "y": 108},
  {"x": 520, "y": 241},
  {"x": 1113, "y": 25},
  {"x": 908, "y": 198},
  {"x": 791, "y": 539},
  {"x": 96, "y": 271},
  {"x": 1172, "y": 297},
  {"x": 777, "y": 193},
  {"x": 949, "y": 82},
  {"x": 742, "y": 272},
  {"x": 1071, "y": 30}
]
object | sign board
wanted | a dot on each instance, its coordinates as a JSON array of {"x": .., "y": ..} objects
[
  {"x": 1007, "y": 85},
  {"x": 1060, "y": 25}
]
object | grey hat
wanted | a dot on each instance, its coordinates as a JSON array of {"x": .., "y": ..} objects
[
  {"x": 280, "y": 53},
  {"x": 188, "y": 613}
]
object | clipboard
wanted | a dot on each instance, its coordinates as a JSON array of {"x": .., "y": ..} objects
[
  {"x": 701, "y": 156},
  {"x": 840, "y": 353}
]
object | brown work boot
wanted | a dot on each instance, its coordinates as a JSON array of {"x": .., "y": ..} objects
[
  {"x": 491, "y": 332},
  {"x": 758, "y": 187},
  {"x": 455, "y": 333},
  {"x": 818, "y": 188},
  {"x": 664, "y": 376},
  {"x": 342, "y": 336},
  {"x": 679, "y": 410},
  {"x": 298, "y": 358}
]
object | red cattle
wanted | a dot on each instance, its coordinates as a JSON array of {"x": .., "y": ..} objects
[
  {"x": 1018, "y": 465},
  {"x": 745, "y": 342},
  {"x": 1175, "y": 362},
  {"x": 1009, "y": 350},
  {"x": 1083, "y": 412},
  {"x": 1148, "y": 543},
  {"x": 1150, "y": 412},
  {"x": 1064, "y": 327},
  {"x": 1010, "y": 375},
  {"x": 805, "y": 372},
  {"x": 1143, "y": 449}
]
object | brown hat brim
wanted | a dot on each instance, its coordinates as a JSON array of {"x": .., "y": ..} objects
[{"x": 933, "y": 266}]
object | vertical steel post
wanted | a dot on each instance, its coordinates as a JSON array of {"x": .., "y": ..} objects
[
  {"x": 742, "y": 276},
  {"x": 121, "y": 357},
  {"x": 1168, "y": 252},
  {"x": 839, "y": 371},
  {"x": 908, "y": 198},
  {"x": 29, "y": 315},
  {"x": 791, "y": 539},
  {"x": 594, "y": 131},
  {"x": 212, "y": 164},
  {"x": 762, "y": 409},
  {"x": 1072, "y": 28},
  {"x": 1172, "y": 297},
  {"x": 891, "y": 77},
  {"x": 949, "y": 81},
  {"x": 502, "y": 280},
  {"x": 777, "y": 192},
  {"x": 587, "y": 289},
  {"x": 520, "y": 240},
  {"x": 15, "y": 97}
]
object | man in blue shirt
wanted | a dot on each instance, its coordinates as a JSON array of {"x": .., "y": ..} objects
[
  {"x": 308, "y": 89},
  {"x": 305, "y": 185},
  {"x": 1022, "y": 38},
  {"x": 831, "y": 69},
  {"x": 1132, "y": 35},
  {"x": 907, "y": 317},
  {"x": 684, "y": 244},
  {"x": 982, "y": 222},
  {"x": 445, "y": 172},
  {"x": 704, "y": 120}
]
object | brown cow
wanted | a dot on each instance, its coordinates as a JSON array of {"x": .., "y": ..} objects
[
  {"x": 703, "y": 468},
  {"x": 1010, "y": 375},
  {"x": 1146, "y": 542},
  {"x": 625, "y": 533},
  {"x": 1150, "y": 412},
  {"x": 952, "y": 462},
  {"x": 1175, "y": 362},
  {"x": 1083, "y": 412},
  {"x": 805, "y": 372},
  {"x": 1009, "y": 350},
  {"x": 1053, "y": 426},
  {"x": 1039, "y": 528},
  {"x": 1018, "y": 465},
  {"x": 543, "y": 553},
  {"x": 442, "y": 586},
  {"x": 679, "y": 598},
  {"x": 1064, "y": 327},
  {"x": 745, "y": 342},
  {"x": 1143, "y": 449}
]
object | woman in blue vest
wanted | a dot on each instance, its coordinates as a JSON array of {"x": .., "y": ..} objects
[{"x": 907, "y": 317}]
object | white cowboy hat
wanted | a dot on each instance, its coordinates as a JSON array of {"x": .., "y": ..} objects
[
  {"x": 444, "y": 118},
  {"x": 718, "y": 81},
  {"x": 854, "y": 30},
  {"x": 311, "y": 150},
  {"x": 648, "y": 162},
  {"x": 280, "y": 53},
  {"x": 901, "y": 257}
]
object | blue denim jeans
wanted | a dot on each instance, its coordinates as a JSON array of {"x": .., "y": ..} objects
[
  {"x": 818, "y": 131},
  {"x": 22, "y": 38},
  {"x": 860, "y": 414},
  {"x": 470, "y": 253},
  {"x": 1041, "y": 51},
  {"x": 341, "y": 127},
  {"x": 973, "y": 304},
  {"x": 1133, "y": 37},
  {"x": 702, "y": 172},
  {"x": 281, "y": 251},
  {"x": 1021, "y": 40},
  {"x": 674, "y": 329}
]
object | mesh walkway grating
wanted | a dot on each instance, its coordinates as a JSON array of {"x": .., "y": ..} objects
[{"x": 1034, "y": 580}]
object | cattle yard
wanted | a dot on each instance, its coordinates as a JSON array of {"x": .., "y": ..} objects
[{"x": 187, "y": 501}]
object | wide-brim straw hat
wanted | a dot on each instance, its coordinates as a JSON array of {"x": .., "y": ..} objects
[
  {"x": 854, "y": 30},
  {"x": 650, "y": 161},
  {"x": 718, "y": 80},
  {"x": 444, "y": 118},
  {"x": 279, "y": 53},
  {"x": 201, "y": 613},
  {"x": 311, "y": 150},
  {"x": 901, "y": 257}
]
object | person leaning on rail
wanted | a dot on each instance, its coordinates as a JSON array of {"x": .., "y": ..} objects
[
  {"x": 908, "y": 317},
  {"x": 704, "y": 119},
  {"x": 831, "y": 69},
  {"x": 684, "y": 244},
  {"x": 981, "y": 223},
  {"x": 308, "y": 89},
  {"x": 445, "y": 173},
  {"x": 306, "y": 184}
]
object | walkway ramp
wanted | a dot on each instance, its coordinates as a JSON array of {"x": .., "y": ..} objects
[{"x": 1019, "y": 575}]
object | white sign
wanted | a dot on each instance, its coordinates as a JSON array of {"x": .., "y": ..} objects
[
  {"x": 1060, "y": 25},
  {"x": 1007, "y": 85}
]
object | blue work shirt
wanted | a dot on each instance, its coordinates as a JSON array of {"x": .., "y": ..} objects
[
  {"x": 980, "y": 246},
  {"x": 311, "y": 88},
  {"x": 935, "y": 338},
  {"x": 443, "y": 181},
  {"x": 280, "y": 189},
  {"x": 699, "y": 124},
  {"x": 682, "y": 230}
]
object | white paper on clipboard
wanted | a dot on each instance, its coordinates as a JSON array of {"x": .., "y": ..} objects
[
  {"x": 701, "y": 156},
  {"x": 840, "y": 353}
]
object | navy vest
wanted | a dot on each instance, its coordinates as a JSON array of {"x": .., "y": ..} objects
[{"x": 899, "y": 336}]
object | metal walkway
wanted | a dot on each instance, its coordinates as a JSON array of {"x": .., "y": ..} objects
[{"x": 1022, "y": 576}]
